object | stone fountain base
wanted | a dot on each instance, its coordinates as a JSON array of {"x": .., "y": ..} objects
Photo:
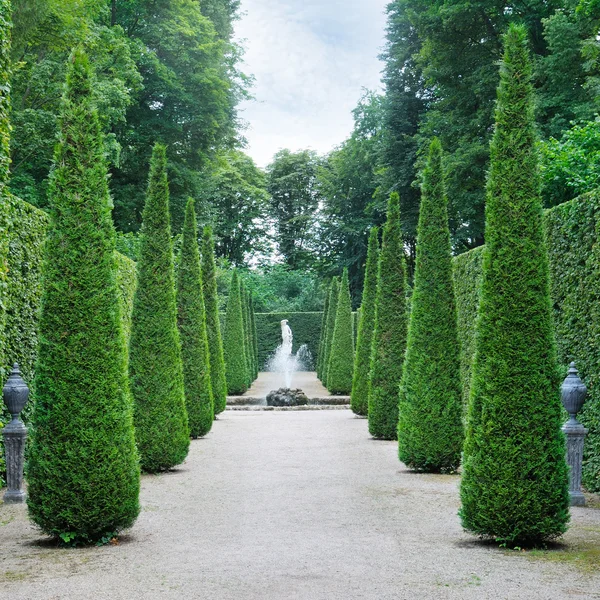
[{"x": 287, "y": 397}]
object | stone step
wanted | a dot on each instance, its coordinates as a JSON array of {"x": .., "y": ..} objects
[{"x": 255, "y": 407}]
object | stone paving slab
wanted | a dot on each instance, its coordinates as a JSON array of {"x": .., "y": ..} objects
[{"x": 299, "y": 505}]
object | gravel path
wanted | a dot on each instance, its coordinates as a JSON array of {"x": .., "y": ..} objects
[{"x": 296, "y": 505}]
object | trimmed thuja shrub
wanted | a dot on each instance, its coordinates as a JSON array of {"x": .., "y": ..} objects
[
  {"x": 334, "y": 291},
  {"x": 389, "y": 338},
  {"x": 359, "y": 400},
  {"x": 515, "y": 482},
  {"x": 213, "y": 324},
  {"x": 322, "y": 341},
  {"x": 155, "y": 365},
  {"x": 246, "y": 320},
  {"x": 192, "y": 331},
  {"x": 254, "y": 337},
  {"x": 233, "y": 341},
  {"x": 83, "y": 471},
  {"x": 430, "y": 429},
  {"x": 341, "y": 360}
]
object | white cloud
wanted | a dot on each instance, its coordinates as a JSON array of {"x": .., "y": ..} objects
[{"x": 311, "y": 60}]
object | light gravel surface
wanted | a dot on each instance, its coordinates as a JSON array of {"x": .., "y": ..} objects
[{"x": 295, "y": 505}]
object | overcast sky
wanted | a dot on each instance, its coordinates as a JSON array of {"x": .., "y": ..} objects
[{"x": 311, "y": 60}]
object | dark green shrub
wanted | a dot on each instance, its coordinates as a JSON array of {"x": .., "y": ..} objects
[
  {"x": 334, "y": 291},
  {"x": 233, "y": 341},
  {"x": 83, "y": 471},
  {"x": 192, "y": 331},
  {"x": 304, "y": 326},
  {"x": 213, "y": 324},
  {"x": 341, "y": 360},
  {"x": 430, "y": 429},
  {"x": 321, "y": 351},
  {"x": 155, "y": 365},
  {"x": 515, "y": 481},
  {"x": 247, "y": 340},
  {"x": 359, "y": 400},
  {"x": 389, "y": 338}
]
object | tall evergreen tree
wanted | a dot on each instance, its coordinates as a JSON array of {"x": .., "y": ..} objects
[
  {"x": 155, "y": 365},
  {"x": 83, "y": 471},
  {"x": 515, "y": 481},
  {"x": 213, "y": 325},
  {"x": 246, "y": 322},
  {"x": 333, "y": 300},
  {"x": 233, "y": 341},
  {"x": 192, "y": 330},
  {"x": 389, "y": 339},
  {"x": 359, "y": 400},
  {"x": 323, "y": 336},
  {"x": 341, "y": 360},
  {"x": 430, "y": 430}
]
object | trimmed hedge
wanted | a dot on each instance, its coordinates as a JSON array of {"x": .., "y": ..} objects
[
  {"x": 514, "y": 486},
  {"x": 334, "y": 293},
  {"x": 213, "y": 324},
  {"x": 155, "y": 365},
  {"x": 234, "y": 347},
  {"x": 430, "y": 429},
  {"x": 359, "y": 400},
  {"x": 391, "y": 322},
  {"x": 573, "y": 239},
  {"x": 341, "y": 359},
  {"x": 83, "y": 471},
  {"x": 192, "y": 331}
]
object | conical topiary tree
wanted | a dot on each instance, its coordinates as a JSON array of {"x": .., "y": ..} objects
[
  {"x": 83, "y": 471},
  {"x": 430, "y": 430},
  {"x": 359, "y": 399},
  {"x": 155, "y": 365},
  {"x": 389, "y": 337},
  {"x": 341, "y": 359},
  {"x": 331, "y": 314},
  {"x": 213, "y": 325},
  {"x": 323, "y": 336},
  {"x": 192, "y": 331},
  {"x": 254, "y": 337},
  {"x": 247, "y": 336},
  {"x": 515, "y": 482},
  {"x": 233, "y": 341}
]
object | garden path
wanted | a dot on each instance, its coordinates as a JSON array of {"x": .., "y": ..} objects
[
  {"x": 305, "y": 380},
  {"x": 295, "y": 506}
]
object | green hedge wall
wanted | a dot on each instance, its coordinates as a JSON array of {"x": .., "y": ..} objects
[
  {"x": 306, "y": 327},
  {"x": 573, "y": 232},
  {"x": 27, "y": 227}
]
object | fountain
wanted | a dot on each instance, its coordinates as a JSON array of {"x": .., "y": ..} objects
[{"x": 286, "y": 363}]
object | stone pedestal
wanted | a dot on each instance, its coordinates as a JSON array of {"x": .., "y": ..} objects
[
  {"x": 14, "y": 435},
  {"x": 575, "y": 433}
]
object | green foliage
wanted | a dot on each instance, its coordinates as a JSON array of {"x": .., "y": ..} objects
[
  {"x": 515, "y": 482},
  {"x": 83, "y": 472},
  {"x": 155, "y": 365},
  {"x": 347, "y": 181},
  {"x": 571, "y": 166},
  {"x": 234, "y": 199},
  {"x": 277, "y": 288},
  {"x": 246, "y": 334},
  {"x": 306, "y": 328},
  {"x": 291, "y": 182},
  {"x": 573, "y": 235},
  {"x": 254, "y": 337},
  {"x": 213, "y": 324},
  {"x": 321, "y": 350},
  {"x": 341, "y": 360},
  {"x": 359, "y": 400},
  {"x": 389, "y": 337},
  {"x": 233, "y": 341},
  {"x": 334, "y": 291},
  {"x": 192, "y": 331},
  {"x": 430, "y": 430},
  {"x": 467, "y": 280}
]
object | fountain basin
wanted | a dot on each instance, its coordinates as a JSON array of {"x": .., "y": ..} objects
[{"x": 287, "y": 397}]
